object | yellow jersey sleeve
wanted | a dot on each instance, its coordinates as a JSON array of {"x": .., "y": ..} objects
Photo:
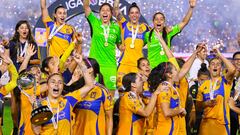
[
  {"x": 14, "y": 75},
  {"x": 122, "y": 22},
  {"x": 65, "y": 56},
  {"x": 48, "y": 21},
  {"x": 164, "y": 97},
  {"x": 133, "y": 104},
  {"x": 74, "y": 97},
  {"x": 3, "y": 92},
  {"x": 200, "y": 93},
  {"x": 108, "y": 103},
  {"x": 174, "y": 62}
]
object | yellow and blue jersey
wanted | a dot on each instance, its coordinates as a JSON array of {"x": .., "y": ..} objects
[
  {"x": 220, "y": 113},
  {"x": 61, "y": 40},
  {"x": 130, "y": 123},
  {"x": 167, "y": 125},
  {"x": 65, "y": 122},
  {"x": 131, "y": 55},
  {"x": 90, "y": 112}
]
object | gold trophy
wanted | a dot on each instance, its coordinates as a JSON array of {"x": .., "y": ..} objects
[{"x": 40, "y": 114}]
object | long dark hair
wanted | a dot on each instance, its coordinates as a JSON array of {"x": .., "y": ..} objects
[
  {"x": 92, "y": 63},
  {"x": 45, "y": 65},
  {"x": 127, "y": 80},
  {"x": 106, "y": 4},
  {"x": 203, "y": 70},
  {"x": 133, "y": 5},
  {"x": 140, "y": 60},
  {"x": 159, "y": 75},
  {"x": 56, "y": 9},
  {"x": 164, "y": 32},
  {"x": 17, "y": 35}
]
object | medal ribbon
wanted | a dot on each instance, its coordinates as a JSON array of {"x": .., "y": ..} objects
[
  {"x": 54, "y": 31},
  {"x": 55, "y": 123},
  {"x": 134, "y": 34},
  {"x": 106, "y": 32}
]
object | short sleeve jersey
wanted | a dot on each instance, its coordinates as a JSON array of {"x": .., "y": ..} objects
[
  {"x": 130, "y": 122},
  {"x": 155, "y": 48},
  {"x": 61, "y": 40},
  {"x": 222, "y": 92},
  {"x": 104, "y": 54},
  {"x": 131, "y": 55},
  {"x": 90, "y": 112}
]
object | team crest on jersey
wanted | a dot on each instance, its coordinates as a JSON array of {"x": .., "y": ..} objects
[
  {"x": 93, "y": 95},
  {"x": 68, "y": 30},
  {"x": 140, "y": 30},
  {"x": 131, "y": 96}
]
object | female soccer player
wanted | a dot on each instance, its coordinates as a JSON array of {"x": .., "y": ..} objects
[
  {"x": 144, "y": 70},
  {"x": 62, "y": 106},
  {"x": 156, "y": 53},
  {"x": 19, "y": 43},
  {"x": 60, "y": 34},
  {"x": 105, "y": 36},
  {"x": 213, "y": 96},
  {"x": 94, "y": 112},
  {"x": 171, "y": 102},
  {"x": 132, "y": 39},
  {"x": 132, "y": 109}
]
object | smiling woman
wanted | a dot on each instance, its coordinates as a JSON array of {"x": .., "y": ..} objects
[
  {"x": 60, "y": 34},
  {"x": 105, "y": 37}
]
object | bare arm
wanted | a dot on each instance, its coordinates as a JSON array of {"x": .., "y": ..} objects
[
  {"x": 188, "y": 16},
  {"x": 186, "y": 67},
  {"x": 117, "y": 11},
  {"x": 232, "y": 105},
  {"x": 89, "y": 81},
  {"x": 146, "y": 111},
  {"x": 86, "y": 7},
  {"x": 166, "y": 48},
  {"x": 109, "y": 121},
  {"x": 30, "y": 52},
  {"x": 168, "y": 112},
  {"x": 44, "y": 9},
  {"x": 230, "y": 67}
]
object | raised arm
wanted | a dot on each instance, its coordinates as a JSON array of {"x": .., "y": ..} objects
[
  {"x": 147, "y": 110},
  {"x": 186, "y": 67},
  {"x": 30, "y": 52},
  {"x": 44, "y": 9},
  {"x": 117, "y": 12},
  {"x": 86, "y": 7},
  {"x": 165, "y": 47},
  {"x": 230, "y": 67},
  {"x": 186, "y": 19},
  {"x": 89, "y": 82},
  {"x": 13, "y": 72}
]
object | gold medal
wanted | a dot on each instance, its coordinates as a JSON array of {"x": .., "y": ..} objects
[
  {"x": 132, "y": 45},
  {"x": 106, "y": 44},
  {"x": 162, "y": 52}
]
